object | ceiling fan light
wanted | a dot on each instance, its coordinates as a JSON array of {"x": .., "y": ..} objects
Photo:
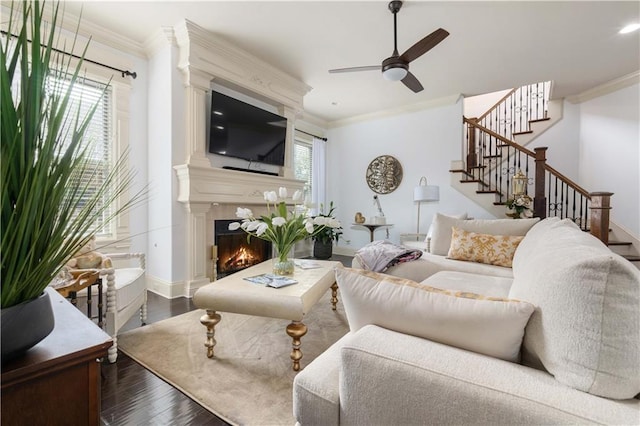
[{"x": 394, "y": 74}]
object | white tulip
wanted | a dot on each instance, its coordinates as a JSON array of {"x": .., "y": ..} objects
[
  {"x": 278, "y": 221},
  {"x": 262, "y": 228},
  {"x": 244, "y": 213},
  {"x": 282, "y": 191},
  {"x": 320, "y": 220},
  {"x": 297, "y": 196},
  {"x": 271, "y": 196},
  {"x": 234, "y": 225},
  {"x": 309, "y": 227},
  {"x": 333, "y": 223},
  {"x": 253, "y": 225}
]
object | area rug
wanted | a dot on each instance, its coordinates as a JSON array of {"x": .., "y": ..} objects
[{"x": 249, "y": 381}]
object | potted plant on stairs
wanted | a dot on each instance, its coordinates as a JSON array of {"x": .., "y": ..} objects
[
  {"x": 323, "y": 239},
  {"x": 50, "y": 198}
]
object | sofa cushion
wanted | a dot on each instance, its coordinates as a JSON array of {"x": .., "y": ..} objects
[
  {"x": 443, "y": 225},
  {"x": 483, "y": 248},
  {"x": 586, "y": 326},
  {"x": 472, "y": 283},
  {"x": 491, "y": 326}
]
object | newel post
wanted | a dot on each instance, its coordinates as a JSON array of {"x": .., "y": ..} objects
[
  {"x": 539, "y": 199},
  {"x": 472, "y": 159},
  {"x": 599, "y": 223}
]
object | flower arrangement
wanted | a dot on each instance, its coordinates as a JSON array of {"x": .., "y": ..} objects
[
  {"x": 281, "y": 227},
  {"x": 328, "y": 227},
  {"x": 521, "y": 204}
]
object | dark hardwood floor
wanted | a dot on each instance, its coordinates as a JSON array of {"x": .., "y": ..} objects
[{"x": 132, "y": 395}]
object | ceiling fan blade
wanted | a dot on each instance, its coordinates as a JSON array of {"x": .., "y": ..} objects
[
  {"x": 354, "y": 69},
  {"x": 412, "y": 83},
  {"x": 424, "y": 45}
]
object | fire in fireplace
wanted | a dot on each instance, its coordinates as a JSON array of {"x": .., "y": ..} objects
[{"x": 235, "y": 252}]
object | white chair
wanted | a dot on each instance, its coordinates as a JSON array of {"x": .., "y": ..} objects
[{"x": 126, "y": 291}]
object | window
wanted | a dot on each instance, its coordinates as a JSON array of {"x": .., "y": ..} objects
[
  {"x": 98, "y": 136},
  {"x": 302, "y": 162}
]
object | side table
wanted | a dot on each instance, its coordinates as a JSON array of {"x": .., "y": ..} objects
[
  {"x": 57, "y": 382},
  {"x": 84, "y": 278},
  {"x": 372, "y": 227}
]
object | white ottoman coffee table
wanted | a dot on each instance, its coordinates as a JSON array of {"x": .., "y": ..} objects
[{"x": 236, "y": 295}]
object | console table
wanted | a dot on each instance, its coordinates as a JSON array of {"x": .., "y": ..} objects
[
  {"x": 372, "y": 227},
  {"x": 57, "y": 381}
]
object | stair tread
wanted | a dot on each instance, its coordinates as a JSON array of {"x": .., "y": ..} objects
[
  {"x": 620, "y": 243},
  {"x": 535, "y": 120},
  {"x": 460, "y": 171},
  {"x": 526, "y": 132},
  {"x": 493, "y": 156},
  {"x": 488, "y": 191},
  {"x": 474, "y": 181},
  {"x": 631, "y": 257}
]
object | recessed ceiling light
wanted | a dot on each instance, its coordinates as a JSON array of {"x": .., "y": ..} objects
[
  {"x": 220, "y": 127},
  {"x": 334, "y": 103},
  {"x": 630, "y": 28},
  {"x": 217, "y": 112}
]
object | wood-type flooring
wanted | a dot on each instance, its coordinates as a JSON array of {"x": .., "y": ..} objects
[{"x": 132, "y": 395}]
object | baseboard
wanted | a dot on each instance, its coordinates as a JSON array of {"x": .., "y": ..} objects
[{"x": 169, "y": 290}]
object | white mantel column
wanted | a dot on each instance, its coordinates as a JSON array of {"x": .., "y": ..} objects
[
  {"x": 197, "y": 86},
  {"x": 290, "y": 115},
  {"x": 197, "y": 252}
]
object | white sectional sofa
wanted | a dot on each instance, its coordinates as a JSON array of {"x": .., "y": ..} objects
[{"x": 555, "y": 339}]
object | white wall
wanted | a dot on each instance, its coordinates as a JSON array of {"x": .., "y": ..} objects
[
  {"x": 425, "y": 142},
  {"x": 475, "y": 106},
  {"x": 159, "y": 104},
  {"x": 610, "y": 152},
  {"x": 563, "y": 142}
]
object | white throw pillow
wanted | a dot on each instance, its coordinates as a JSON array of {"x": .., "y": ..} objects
[
  {"x": 487, "y": 325},
  {"x": 462, "y": 216},
  {"x": 586, "y": 326},
  {"x": 443, "y": 226}
]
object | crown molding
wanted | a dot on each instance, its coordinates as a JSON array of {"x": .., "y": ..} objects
[
  {"x": 405, "y": 109},
  {"x": 162, "y": 38},
  {"x": 212, "y": 55},
  {"x": 606, "y": 88}
]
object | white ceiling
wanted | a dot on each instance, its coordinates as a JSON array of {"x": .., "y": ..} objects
[{"x": 492, "y": 46}]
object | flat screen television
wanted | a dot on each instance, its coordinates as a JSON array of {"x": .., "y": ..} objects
[{"x": 245, "y": 131}]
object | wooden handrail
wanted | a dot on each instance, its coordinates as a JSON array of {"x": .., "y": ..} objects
[
  {"x": 568, "y": 181},
  {"x": 497, "y": 103},
  {"x": 501, "y": 138}
]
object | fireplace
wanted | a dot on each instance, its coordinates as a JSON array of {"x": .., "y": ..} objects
[{"x": 234, "y": 251}]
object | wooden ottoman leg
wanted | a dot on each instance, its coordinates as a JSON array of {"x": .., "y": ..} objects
[
  {"x": 334, "y": 296},
  {"x": 296, "y": 330},
  {"x": 209, "y": 320}
]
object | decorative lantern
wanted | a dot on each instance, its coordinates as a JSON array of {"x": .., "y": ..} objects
[{"x": 519, "y": 182}]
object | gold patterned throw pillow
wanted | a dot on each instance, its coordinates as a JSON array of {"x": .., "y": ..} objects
[{"x": 483, "y": 248}]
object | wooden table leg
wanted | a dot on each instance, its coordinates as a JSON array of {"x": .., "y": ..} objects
[
  {"x": 209, "y": 320},
  {"x": 334, "y": 296},
  {"x": 296, "y": 330}
]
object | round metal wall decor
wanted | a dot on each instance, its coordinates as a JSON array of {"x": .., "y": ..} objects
[{"x": 384, "y": 174}]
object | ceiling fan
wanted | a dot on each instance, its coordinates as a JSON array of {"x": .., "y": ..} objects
[{"x": 396, "y": 67}]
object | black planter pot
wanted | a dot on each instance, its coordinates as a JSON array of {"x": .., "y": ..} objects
[
  {"x": 322, "y": 250},
  {"x": 25, "y": 325}
]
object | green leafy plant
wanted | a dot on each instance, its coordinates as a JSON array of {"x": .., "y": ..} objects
[
  {"x": 49, "y": 196},
  {"x": 331, "y": 227}
]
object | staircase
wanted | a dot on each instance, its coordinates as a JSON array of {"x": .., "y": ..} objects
[{"x": 495, "y": 150}]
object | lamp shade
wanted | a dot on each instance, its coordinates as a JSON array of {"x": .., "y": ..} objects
[{"x": 426, "y": 193}]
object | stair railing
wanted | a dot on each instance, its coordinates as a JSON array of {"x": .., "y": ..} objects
[
  {"x": 492, "y": 160},
  {"x": 513, "y": 113}
]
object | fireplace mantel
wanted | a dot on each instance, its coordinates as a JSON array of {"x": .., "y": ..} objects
[
  {"x": 198, "y": 184},
  {"x": 205, "y": 191}
]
